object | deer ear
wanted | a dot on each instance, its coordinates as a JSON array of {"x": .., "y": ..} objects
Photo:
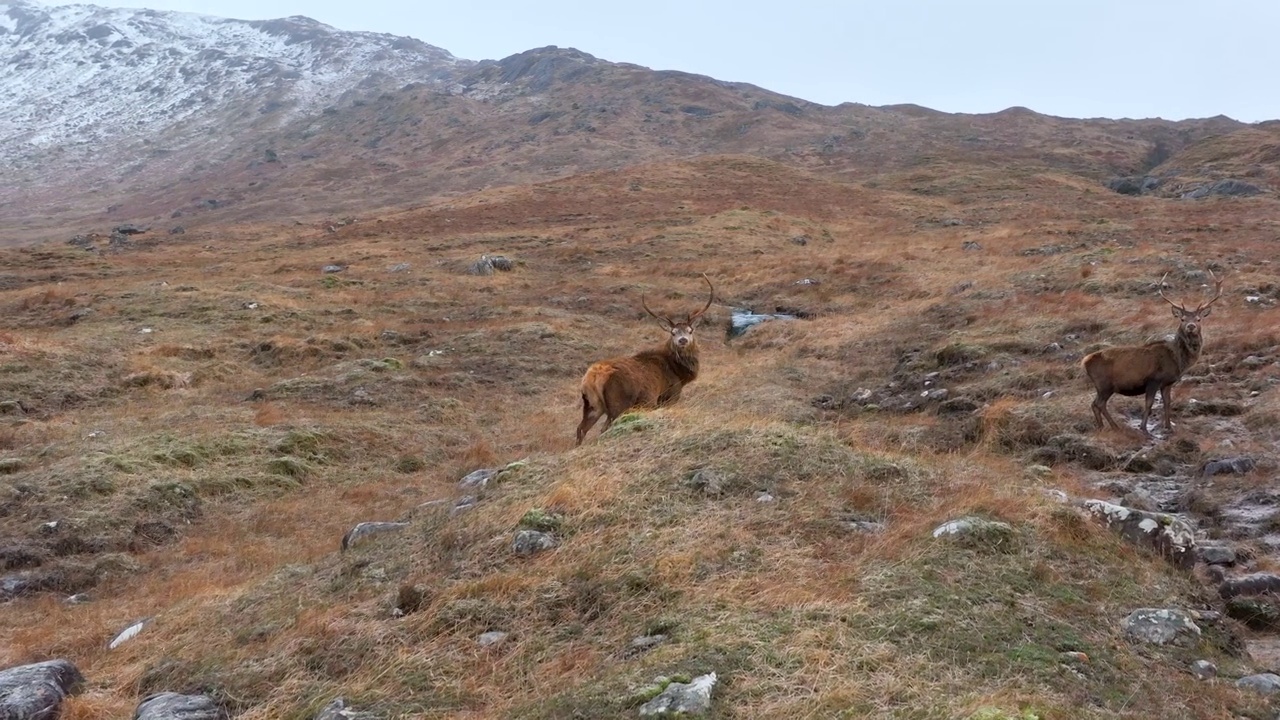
[
  {"x": 1205, "y": 312},
  {"x": 1177, "y": 313}
]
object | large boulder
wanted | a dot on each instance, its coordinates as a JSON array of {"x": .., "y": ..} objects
[
  {"x": 36, "y": 692},
  {"x": 172, "y": 706},
  {"x": 1168, "y": 535}
]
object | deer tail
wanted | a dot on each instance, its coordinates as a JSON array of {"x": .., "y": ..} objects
[{"x": 593, "y": 385}]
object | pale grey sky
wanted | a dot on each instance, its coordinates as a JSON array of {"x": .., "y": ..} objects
[{"x": 1075, "y": 58}]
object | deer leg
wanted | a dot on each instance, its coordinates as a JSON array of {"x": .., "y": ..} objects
[
  {"x": 589, "y": 417},
  {"x": 1146, "y": 407},
  {"x": 1097, "y": 413},
  {"x": 1100, "y": 407},
  {"x": 1167, "y": 407}
]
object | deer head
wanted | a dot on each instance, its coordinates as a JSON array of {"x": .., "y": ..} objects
[
  {"x": 681, "y": 329},
  {"x": 1190, "y": 319}
]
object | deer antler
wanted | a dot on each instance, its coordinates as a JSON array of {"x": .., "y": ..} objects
[
  {"x": 1160, "y": 289},
  {"x": 660, "y": 318},
  {"x": 1217, "y": 293},
  {"x": 710, "y": 298}
]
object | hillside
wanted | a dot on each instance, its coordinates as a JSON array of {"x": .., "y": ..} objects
[
  {"x": 195, "y": 421},
  {"x": 292, "y": 119}
]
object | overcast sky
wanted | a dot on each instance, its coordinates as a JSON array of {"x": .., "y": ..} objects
[{"x": 1076, "y": 58}]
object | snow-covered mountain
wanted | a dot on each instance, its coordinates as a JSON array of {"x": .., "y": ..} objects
[{"x": 84, "y": 76}]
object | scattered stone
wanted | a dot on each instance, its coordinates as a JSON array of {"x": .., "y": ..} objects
[
  {"x": 1228, "y": 187},
  {"x": 487, "y": 264},
  {"x": 410, "y": 599},
  {"x": 1265, "y": 683},
  {"x": 1204, "y": 670},
  {"x": 466, "y": 502},
  {"x": 478, "y": 478},
  {"x": 972, "y": 245},
  {"x": 1160, "y": 626},
  {"x": 993, "y": 532},
  {"x": 1254, "y": 361},
  {"x": 492, "y": 637},
  {"x": 740, "y": 320},
  {"x": 807, "y": 281},
  {"x": 36, "y": 691},
  {"x": 709, "y": 481},
  {"x": 82, "y": 241},
  {"x": 398, "y": 267},
  {"x": 177, "y": 230},
  {"x": 800, "y": 240},
  {"x": 13, "y": 407},
  {"x": 366, "y": 529},
  {"x": 1216, "y": 554},
  {"x": 1168, "y": 535},
  {"x": 950, "y": 222},
  {"x": 78, "y": 315},
  {"x": 172, "y": 706},
  {"x": 338, "y": 710},
  {"x": 692, "y": 698},
  {"x": 1232, "y": 466},
  {"x": 764, "y": 497},
  {"x": 1139, "y": 499},
  {"x": 1134, "y": 184},
  {"x": 645, "y": 643},
  {"x": 128, "y": 634},
  {"x": 958, "y": 406},
  {"x": 1252, "y": 584},
  {"x": 1259, "y": 613},
  {"x": 530, "y": 542},
  {"x": 329, "y": 269}
]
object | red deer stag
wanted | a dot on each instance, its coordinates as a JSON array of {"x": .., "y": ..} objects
[
  {"x": 1134, "y": 370},
  {"x": 649, "y": 379}
]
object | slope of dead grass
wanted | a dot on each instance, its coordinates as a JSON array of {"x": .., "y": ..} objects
[{"x": 226, "y": 411}]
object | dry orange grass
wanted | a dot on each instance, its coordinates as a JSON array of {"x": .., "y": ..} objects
[{"x": 800, "y": 614}]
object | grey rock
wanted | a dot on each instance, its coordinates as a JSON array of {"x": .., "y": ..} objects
[
  {"x": 478, "y": 478},
  {"x": 330, "y": 269},
  {"x": 530, "y": 542},
  {"x": 1168, "y": 535},
  {"x": 1134, "y": 184},
  {"x": 1228, "y": 187},
  {"x": 366, "y": 529},
  {"x": 691, "y": 698},
  {"x": 1231, "y": 466},
  {"x": 1251, "y": 584},
  {"x": 36, "y": 691},
  {"x": 1216, "y": 554},
  {"x": 338, "y": 710},
  {"x": 1139, "y": 499},
  {"x": 741, "y": 320},
  {"x": 800, "y": 240},
  {"x": 1254, "y": 361},
  {"x": 975, "y": 528},
  {"x": 398, "y": 267},
  {"x": 1204, "y": 670},
  {"x": 177, "y": 230},
  {"x": 172, "y": 706},
  {"x": 971, "y": 245},
  {"x": 645, "y": 643},
  {"x": 708, "y": 481},
  {"x": 491, "y": 638},
  {"x": 1160, "y": 626},
  {"x": 487, "y": 264},
  {"x": 1265, "y": 683}
]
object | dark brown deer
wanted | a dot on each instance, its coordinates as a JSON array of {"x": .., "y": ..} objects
[
  {"x": 1134, "y": 370},
  {"x": 649, "y": 379}
]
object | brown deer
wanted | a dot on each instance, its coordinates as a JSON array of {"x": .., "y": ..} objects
[
  {"x": 1134, "y": 370},
  {"x": 649, "y": 379}
]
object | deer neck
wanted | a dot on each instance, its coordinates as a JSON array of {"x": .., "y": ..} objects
[
  {"x": 1186, "y": 349},
  {"x": 683, "y": 361}
]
